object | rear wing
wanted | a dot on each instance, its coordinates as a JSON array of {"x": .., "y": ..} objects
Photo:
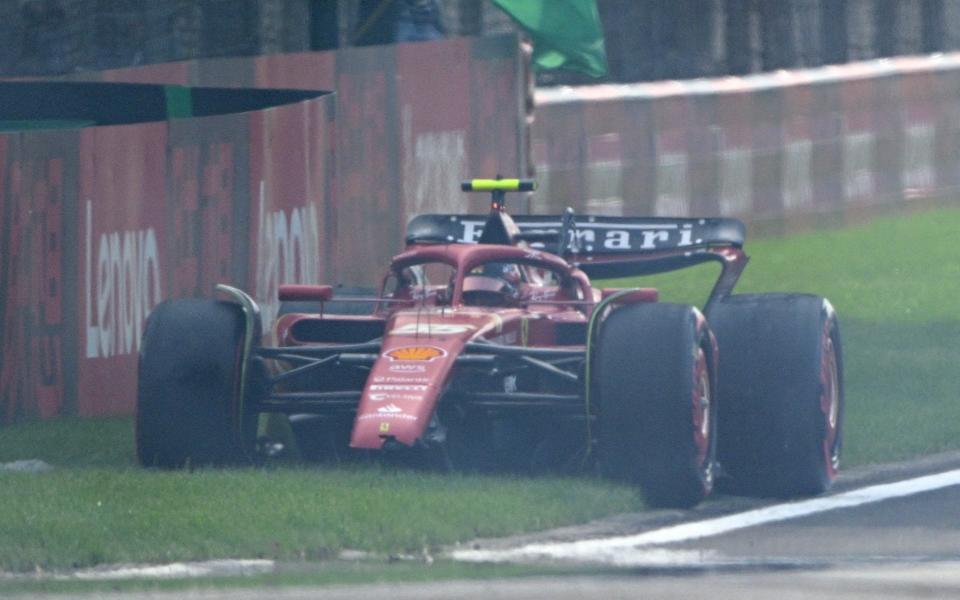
[{"x": 601, "y": 246}]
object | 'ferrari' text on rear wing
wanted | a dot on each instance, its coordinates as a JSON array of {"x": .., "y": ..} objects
[{"x": 591, "y": 235}]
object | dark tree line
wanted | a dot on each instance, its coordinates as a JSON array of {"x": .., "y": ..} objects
[
  {"x": 646, "y": 39},
  {"x": 680, "y": 39}
]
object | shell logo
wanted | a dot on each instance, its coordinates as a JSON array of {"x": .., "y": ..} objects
[{"x": 418, "y": 353}]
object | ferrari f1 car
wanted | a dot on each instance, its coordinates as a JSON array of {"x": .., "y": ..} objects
[{"x": 488, "y": 347}]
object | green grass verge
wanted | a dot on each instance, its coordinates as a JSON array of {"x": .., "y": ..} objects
[
  {"x": 71, "y": 442},
  {"x": 893, "y": 283},
  {"x": 98, "y": 508},
  {"x": 82, "y": 517}
]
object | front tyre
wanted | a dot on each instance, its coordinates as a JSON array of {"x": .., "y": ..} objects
[
  {"x": 188, "y": 386},
  {"x": 655, "y": 379}
]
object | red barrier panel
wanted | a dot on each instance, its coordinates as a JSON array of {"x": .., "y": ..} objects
[
  {"x": 639, "y": 156},
  {"x": 594, "y": 151},
  {"x": 99, "y": 225},
  {"x": 602, "y": 179},
  {"x": 703, "y": 154},
  {"x": 796, "y": 166},
  {"x": 779, "y": 147},
  {"x": 434, "y": 135},
  {"x": 37, "y": 275},
  {"x": 826, "y": 130},
  {"x": 121, "y": 233},
  {"x": 559, "y": 159},
  {"x": 291, "y": 224},
  {"x": 890, "y": 134},
  {"x": 671, "y": 122},
  {"x": 207, "y": 198},
  {"x": 497, "y": 136},
  {"x": 368, "y": 164},
  {"x": 947, "y": 142},
  {"x": 735, "y": 147},
  {"x": 919, "y": 114}
]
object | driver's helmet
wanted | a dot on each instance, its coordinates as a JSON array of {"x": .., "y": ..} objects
[
  {"x": 509, "y": 272},
  {"x": 492, "y": 284}
]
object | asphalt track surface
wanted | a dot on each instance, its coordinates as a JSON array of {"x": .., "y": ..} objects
[{"x": 855, "y": 543}]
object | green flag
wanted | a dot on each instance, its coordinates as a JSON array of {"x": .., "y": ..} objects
[{"x": 566, "y": 33}]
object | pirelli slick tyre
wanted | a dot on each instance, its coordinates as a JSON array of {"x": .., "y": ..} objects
[
  {"x": 655, "y": 376},
  {"x": 188, "y": 386},
  {"x": 781, "y": 380}
]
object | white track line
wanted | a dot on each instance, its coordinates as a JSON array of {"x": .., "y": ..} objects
[
  {"x": 609, "y": 550},
  {"x": 178, "y": 570}
]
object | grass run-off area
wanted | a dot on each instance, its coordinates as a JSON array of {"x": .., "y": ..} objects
[
  {"x": 98, "y": 507},
  {"x": 894, "y": 282}
]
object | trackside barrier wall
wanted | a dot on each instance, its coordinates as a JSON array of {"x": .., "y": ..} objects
[
  {"x": 785, "y": 148},
  {"x": 412, "y": 121},
  {"x": 99, "y": 224}
]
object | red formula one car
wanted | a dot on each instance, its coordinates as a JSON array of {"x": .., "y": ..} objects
[{"x": 488, "y": 348}]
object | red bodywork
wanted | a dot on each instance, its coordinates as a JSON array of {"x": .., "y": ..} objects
[
  {"x": 426, "y": 329},
  {"x": 424, "y": 336}
]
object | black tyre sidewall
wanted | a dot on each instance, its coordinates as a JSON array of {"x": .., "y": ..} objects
[
  {"x": 772, "y": 428},
  {"x": 644, "y": 367},
  {"x": 188, "y": 385}
]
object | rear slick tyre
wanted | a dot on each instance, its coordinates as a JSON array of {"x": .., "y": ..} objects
[
  {"x": 781, "y": 378},
  {"x": 189, "y": 384},
  {"x": 655, "y": 381}
]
